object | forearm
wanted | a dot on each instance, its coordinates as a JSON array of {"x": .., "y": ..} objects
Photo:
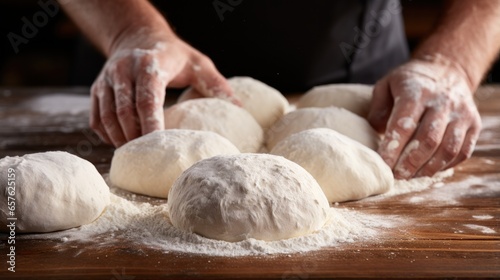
[
  {"x": 468, "y": 35},
  {"x": 114, "y": 24}
]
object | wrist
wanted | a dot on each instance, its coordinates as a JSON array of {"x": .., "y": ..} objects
[
  {"x": 446, "y": 66},
  {"x": 142, "y": 37}
]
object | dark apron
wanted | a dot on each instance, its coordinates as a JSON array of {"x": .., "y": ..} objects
[{"x": 294, "y": 45}]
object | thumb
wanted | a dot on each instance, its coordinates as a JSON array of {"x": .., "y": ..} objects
[{"x": 210, "y": 83}]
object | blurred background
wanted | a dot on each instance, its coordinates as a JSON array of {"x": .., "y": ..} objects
[{"x": 50, "y": 58}]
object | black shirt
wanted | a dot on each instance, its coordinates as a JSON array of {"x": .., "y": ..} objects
[{"x": 294, "y": 45}]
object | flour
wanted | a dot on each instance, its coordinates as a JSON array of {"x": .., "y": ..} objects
[
  {"x": 144, "y": 221},
  {"x": 407, "y": 123},
  {"x": 58, "y": 103},
  {"x": 482, "y": 217},
  {"x": 148, "y": 224},
  {"x": 416, "y": 184},
  {"x": 482, "y": 229},
  {"x": 430, "y": 191}
]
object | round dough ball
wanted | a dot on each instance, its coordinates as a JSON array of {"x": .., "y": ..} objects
[
  {"x": 224, "y": 118},
  {"x": 263, "y": 102},
  {"x": 345, "y": 169},
  {"x": 258, "y": 196},
  {"x": 150, "y": 164},
  {"x": 53, "y": 191},
  {"x": 352, "y": 97},
  {"x": 334, "y": 118}
]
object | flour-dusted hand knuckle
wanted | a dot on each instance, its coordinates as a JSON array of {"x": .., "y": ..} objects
[
  {"x": 124, "y": 111},
  {"x": 98, "y": 87},
  {"x": 124, "y": 99},
  {"x": 450, "y": 152},
  {"x": 147, "y": 103},
  {"x": 431, "y": 141},
  {"x": 411, "y": 163},
  {"x": 108, "y": 119}
]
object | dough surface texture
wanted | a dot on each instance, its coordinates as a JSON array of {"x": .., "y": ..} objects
[
  {"x": 222, "y": 117},
  {"x": 263, "y": 102},
  {"x": 338, "y": 119},
  {"x": 237, "y": 197},
  {"x": 53, "y": 191},
  {"x": 150, "y": 164},
  {"x": 345, "y": 169},
  {"x": 355, "y": 98}
]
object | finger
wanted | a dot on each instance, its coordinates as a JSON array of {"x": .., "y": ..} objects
[
  {"x": 125, "y": 105},
  {"x": 401, "y": 126},
  {"x": 424, "y": 143},
  {"x": 448, "y": 150},
  {"x": 150, "y": 96},
  {"x": 95, "y": 119},
  {"x": 210, "y": 83},
  {"x": 380, "y": 107},
  {"x": 467, "y": 147},
  {"x": 108, "y": 117}
]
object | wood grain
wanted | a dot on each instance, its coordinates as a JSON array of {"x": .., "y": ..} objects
[{"x": 436, "y": 243}]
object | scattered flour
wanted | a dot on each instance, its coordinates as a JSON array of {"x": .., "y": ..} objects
[
  {"x": 58, "y": 112},
  {"x": 417, "y": 184},
  {"x": 417, "y": 199},
  {"x": 59, "y": 103},
  {"x": 482, "y": 229},
  {"x": 148, "y": 224},
  {"x": 482, "y": 217}
]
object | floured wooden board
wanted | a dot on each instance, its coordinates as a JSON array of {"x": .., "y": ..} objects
[{"x": 446, "y": 230}]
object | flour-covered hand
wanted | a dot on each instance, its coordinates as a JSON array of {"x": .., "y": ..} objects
[
  {"x": 427, "y": 113},
  {"x": 128, "y": 95}
]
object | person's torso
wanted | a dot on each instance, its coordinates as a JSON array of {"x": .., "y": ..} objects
[{"x": 291, "y": 44}]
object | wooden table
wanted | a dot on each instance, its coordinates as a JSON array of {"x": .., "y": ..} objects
[{"x": 437, "y": 244}]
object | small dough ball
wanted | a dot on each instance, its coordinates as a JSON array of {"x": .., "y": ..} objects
[
  {"x": 352, "y": 97},
  {"x": 224, "y": 118},
  {"x": 258, "y": 196},
  {"x": 150, "y": 164},
  {"x": 263, "y": 102},
  {"x": 345, "y": 169},
  {"x": 334, "y": 118},
  {"x": 52, "y": 191}
]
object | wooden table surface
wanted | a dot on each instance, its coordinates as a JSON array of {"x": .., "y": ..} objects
[{"x": 444, "y": 240}]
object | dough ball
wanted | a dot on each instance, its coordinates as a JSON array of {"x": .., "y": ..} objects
[
  {"x": 263, "y": 102},
  {"x": 222, "y": 117},
  {"x": 53, "y": 191},
  {"x": 150, "y": 164},
  {"x": 352, "y": 97},
  {"x": 243, "y": 196},
  {"x": 334, "y": 118},
  {"x": 345, "y": 169}
]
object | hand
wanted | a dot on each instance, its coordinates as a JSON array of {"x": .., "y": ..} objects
[
  {"x": 128, "y": 95},
  {"x": 427, "y": 111}
]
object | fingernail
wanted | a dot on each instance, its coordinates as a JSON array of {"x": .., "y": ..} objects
[{"x": 401, "y": 172}]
